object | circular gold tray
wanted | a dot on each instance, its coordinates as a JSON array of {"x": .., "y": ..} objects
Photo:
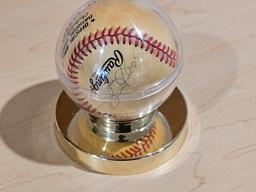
[{"x": 175, "y": 112}]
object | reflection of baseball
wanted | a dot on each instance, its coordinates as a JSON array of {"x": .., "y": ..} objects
[
  {"x": 114, "y": 52},
  {"x": 151, "y": 142}
]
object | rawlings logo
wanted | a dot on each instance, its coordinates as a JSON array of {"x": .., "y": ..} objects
[{"x": 101, "y": 76}]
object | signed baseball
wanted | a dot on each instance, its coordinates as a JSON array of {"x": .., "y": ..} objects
[{"x": 119, "y": 58}]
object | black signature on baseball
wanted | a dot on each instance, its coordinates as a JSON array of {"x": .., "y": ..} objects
[{"x": 103, "y": 74}]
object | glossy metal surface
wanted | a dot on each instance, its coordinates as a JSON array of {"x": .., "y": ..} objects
[
  {"x": 122, "y": 131},
  {"x": 175, "y": 112}
]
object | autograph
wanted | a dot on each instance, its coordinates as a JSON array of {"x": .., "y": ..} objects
[
  {"x": 120, "y": 81},
  {"x": 102, "y": 76}
]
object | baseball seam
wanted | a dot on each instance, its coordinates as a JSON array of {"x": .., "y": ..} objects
[
  {"x": 114, "y": 35},
  {"x": 140, "y": 147}
]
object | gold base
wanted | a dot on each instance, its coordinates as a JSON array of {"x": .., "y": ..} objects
[{"x": 175, "y": 112}]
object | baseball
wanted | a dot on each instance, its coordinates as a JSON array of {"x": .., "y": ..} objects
[{"x": 118, "y": 58}]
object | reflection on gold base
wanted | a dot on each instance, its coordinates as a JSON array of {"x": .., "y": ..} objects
[
  {"x": 162, "y": 142},
  {"x": 80, "y": 133}
]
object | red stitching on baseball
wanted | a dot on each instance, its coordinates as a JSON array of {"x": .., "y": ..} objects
[
  {"x": 123, "y": 154},
  {"x": 130, "y": 153},
  {"x": 134, "y": 151},
  {"x": 85, "y": 46},
  {"x": 140, "y": 147}
]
